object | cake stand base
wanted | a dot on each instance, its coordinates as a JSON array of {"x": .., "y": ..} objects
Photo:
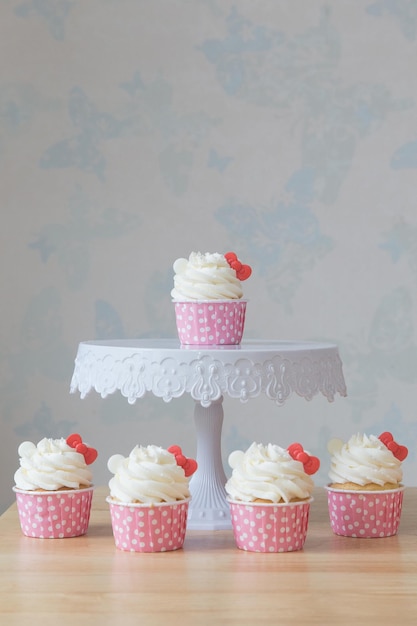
[{"x": 209, "y": 509}]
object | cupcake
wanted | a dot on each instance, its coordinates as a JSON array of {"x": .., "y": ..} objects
[
  {"x": 365, "y": 493},
  {"x": 53, "y": 487},
  {"x": 149, "y": 497},
  {"x": 269, "y": 494},
  {"x": 207, "y": 296}
]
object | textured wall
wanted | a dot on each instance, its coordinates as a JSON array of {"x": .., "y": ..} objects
[{"x": 133, "y": 132}]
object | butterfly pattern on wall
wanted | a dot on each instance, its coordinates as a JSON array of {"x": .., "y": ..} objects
[
  {"x": 401, "y": 243},
  {"x": 178, "y": 137},
  {"x": 39, "y": 352},
  {"x": 295, "y": 87},
  {"x": 218, "y": 162},
  {"x": 92, "y": 127},
  {"x": 388, "y": 352},
  {"x": 404, "y": 13},
  {"x": 155, "y": 307},
  {"x": 108, "y": 321},
  {"x": 257, "y": 65},
  {"x": 71, "y": 242},
  {"x": 283, "y": 241},
  {"x": 53, "y": 13},
  {"x": 405, "y": 157},
  {"x": 42, "y": 424},
  {"x": 150, "y": 109}
]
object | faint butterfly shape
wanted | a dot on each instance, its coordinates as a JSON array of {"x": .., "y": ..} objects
[
  {"x": 134, "y": 86},
  {"x": 404, "y": 12},
  {"x": 43, "y": 424},
  {"x": 391, "y": 330},
  {"x": 405, "y": 157},
  {"x": 53, "y": 12},
  {"x": 108, "y": 323},
  {"x": 83, "y": 149},
  {"x": 215, "y": 161},
  {"x": 267, "y": 233}
]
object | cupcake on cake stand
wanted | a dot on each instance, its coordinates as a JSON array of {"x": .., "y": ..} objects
[{"x": 168, "y": 370}]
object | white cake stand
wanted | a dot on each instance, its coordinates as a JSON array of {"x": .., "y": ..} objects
[{"x": 168, "y": 370}]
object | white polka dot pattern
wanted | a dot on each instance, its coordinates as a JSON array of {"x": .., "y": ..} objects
[
  {"x": 210, "y": 323},
  {"x": 270, "y": 527},
  {"x": 365, "y": 514},
  {"x": 149, "y": 528},
  {"x": 55, "y": 514}
]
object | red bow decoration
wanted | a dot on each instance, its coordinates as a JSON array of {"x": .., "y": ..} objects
[
  {"x": 400, "y": 452},
  {"x": 188, "y": 465},
  {"x": 311, "y": 463},
  {"x": 242, "y": 271},
  {"x": 89, "y": 454}
]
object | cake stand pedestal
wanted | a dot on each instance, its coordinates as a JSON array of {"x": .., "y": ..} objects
[{"x": 168, "y": 370}]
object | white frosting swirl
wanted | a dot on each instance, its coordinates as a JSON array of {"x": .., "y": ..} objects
[
  {"x": 149, "y": 474},
  {"x": 51, "y": 465},
  {"x": 267, "y": 473},
  {"x": 365, "y": 459},
  {"x": 205, "y": 277}
]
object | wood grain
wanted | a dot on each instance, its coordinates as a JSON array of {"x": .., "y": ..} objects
[{"x": 86, "y": 580}]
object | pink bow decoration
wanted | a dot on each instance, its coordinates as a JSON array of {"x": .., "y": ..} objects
[
  {"x": 400, "y": 452},
  {"x": 311, "y": 463},
  {"x": 89, "y": 454},
  {"x": 188, "y": 465},
  {"x": 242, "y": 271}
]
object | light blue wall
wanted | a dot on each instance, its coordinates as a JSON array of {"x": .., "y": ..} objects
[{"x": 133, "y": 132}]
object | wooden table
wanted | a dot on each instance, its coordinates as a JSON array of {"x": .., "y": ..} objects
[{"x": 86, "y": 580}]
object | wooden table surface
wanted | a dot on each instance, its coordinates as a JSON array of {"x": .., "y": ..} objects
[{"x": 86, "y": 580}]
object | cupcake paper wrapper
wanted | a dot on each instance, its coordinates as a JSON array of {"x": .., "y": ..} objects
[
  {"x": 149, "y": 528},
  {"x": 365, "y": 514},
  {"x": 210, "y": 323},
  {"x": 270, "y": 527},
  {"x": 54, "y": 514}
]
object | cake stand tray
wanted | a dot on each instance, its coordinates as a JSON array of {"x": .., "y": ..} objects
[{"x": 168, "y": 370}]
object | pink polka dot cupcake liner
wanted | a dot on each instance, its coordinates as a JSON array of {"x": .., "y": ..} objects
[
  {"x": 365, "y": 514},
  {"x": 210, "y": 322},
  {"x": 54, "y": 514},
  {"x": 260, "y": 527},
  {"x": 158, "y": 527}
]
